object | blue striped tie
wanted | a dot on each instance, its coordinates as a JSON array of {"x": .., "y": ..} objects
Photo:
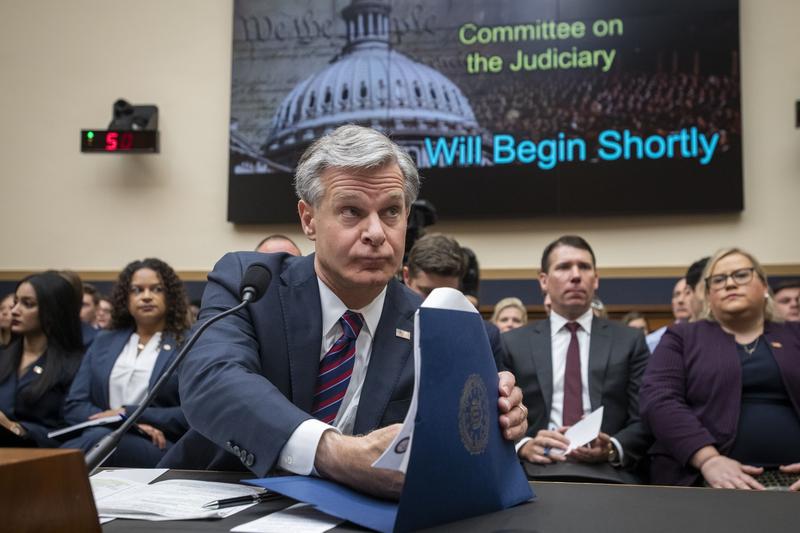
[{"x": 335, "y": 370}]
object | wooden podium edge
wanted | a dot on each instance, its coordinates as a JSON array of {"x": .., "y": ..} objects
[{"x": 46, "y": 490}]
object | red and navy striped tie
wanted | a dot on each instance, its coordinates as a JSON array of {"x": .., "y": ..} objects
[{"x": 335, "y": 370}]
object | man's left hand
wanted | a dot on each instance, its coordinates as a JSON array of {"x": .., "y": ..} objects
[
  {"x": 513, "y": 414},
  {"x": 596, "y": 452}
]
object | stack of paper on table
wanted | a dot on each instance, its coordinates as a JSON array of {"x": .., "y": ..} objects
[{"x": 126, "y": 494}]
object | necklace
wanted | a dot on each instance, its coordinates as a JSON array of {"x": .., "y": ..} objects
[{"x": 750, "y": 348}]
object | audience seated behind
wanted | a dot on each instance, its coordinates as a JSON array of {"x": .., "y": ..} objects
[
  {"x": 509, "y": 313},
  {"x": 634, "y": 319},
  {"x": 149, "y": 321},
  {"x": 89, "y": 302},
  {"x": 36, "y": 369},
  {"x": 599, "y": 308},
  {"x": 721, "y": 394},
  {"x": 565, "y": 375},
  {"x": 103, "y": 313},
  {"x": 680, "y": 312},
  {"x": 6, "y": 303},
  {"x": 435, "y": 261},
  {"x": 787, "y": 300},
  {"x": 278, "y": 243},
  {"x": 88, "y": 333}
]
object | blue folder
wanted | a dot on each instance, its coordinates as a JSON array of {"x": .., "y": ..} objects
[{"x": 460, "y": 465}]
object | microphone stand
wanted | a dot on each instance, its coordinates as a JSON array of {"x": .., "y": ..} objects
[{"x": 106, "y": 446}]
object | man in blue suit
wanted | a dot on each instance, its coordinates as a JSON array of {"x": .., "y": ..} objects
[{"x": 251, "y": 382}]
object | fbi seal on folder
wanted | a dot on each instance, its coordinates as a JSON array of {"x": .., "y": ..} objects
[{"x": 473, "y": 415}]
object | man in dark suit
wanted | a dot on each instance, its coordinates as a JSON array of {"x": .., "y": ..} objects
[
  {"x": 435, "y": 261},
  {"x": 327, "y": 352},
  {"x": 571, "y": 363}
]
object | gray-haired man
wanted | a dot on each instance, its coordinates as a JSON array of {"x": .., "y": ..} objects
[{"x": 252, "y": 384}]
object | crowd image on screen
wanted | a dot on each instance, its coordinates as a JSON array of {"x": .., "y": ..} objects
[{"x": 644, "y": 103}]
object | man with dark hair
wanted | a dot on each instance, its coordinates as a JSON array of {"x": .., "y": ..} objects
[
  {"x": 571, "y": 363},
  {"x": 316, "y": 376},
  {"x": 694, "y": 276},
  {"x": 278, "y": 243},
  {"x": 89, "y": 301},
  {"x": 435, "y": 261},
  {"x": 787, "y": 299}
]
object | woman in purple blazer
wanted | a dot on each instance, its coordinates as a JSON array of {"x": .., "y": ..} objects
[{"x": 722, "y": 395}]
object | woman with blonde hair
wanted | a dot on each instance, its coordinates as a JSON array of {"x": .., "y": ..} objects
[
  {"x": 722, "y": 394},
  {"x": 509, "y": 313}
]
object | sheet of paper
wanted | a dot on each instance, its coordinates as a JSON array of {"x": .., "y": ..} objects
[
  {"x": 585, "y": 431},
  {"x": 299, "y": 518},
  {"x": 89, "y": 423},
  {"x": 396, "y": 455},
  {"x": 108, "y": 482},
  {"x": 174, "y": 499}
]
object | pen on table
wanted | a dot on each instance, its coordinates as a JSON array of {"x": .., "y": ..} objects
[{"x": 242, "y": 500}]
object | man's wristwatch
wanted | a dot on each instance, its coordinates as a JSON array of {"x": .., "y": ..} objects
[{"x": 612, "y": 455}]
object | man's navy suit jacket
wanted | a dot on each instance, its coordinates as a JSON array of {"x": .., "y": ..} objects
[{"x": 249, "y": 381}]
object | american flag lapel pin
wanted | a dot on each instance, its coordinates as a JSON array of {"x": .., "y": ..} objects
[{"x": 403, "y": 334}]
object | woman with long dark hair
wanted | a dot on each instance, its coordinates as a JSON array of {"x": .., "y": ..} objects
[
  {"x": 148, "y": 323},
  {"x": 36, "y": 369}
]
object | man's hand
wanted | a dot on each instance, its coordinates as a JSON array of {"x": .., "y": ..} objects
[
  {"x": 539, "y": 449},
  {"x": 723, "y": 472},
  {"x": 513, "y": 414},
  {"x": 108, "y": 412},
  {"x": 348, "y": 460},
  {"x": 156, "y": 435},
  {"x": 793, "y": 468},
  {"x": 597, "y": 452},
  {"x": 5, "y": 421}
]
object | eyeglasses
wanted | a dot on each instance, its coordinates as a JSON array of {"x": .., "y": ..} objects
[{"x": 743, "y": 276}]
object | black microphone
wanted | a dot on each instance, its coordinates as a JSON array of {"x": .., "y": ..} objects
[
  {"x": 254, "y": 284},
  {"x": 255, "y": 281}
]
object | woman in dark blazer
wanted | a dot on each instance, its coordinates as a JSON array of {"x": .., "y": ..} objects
[
  {"x": 149, "y": 319},
  {"x": 36, "y": 369},
  {"x": 722, "y": 395}
]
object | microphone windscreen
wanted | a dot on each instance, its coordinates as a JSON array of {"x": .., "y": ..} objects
[{"x": 257, "y": 278}]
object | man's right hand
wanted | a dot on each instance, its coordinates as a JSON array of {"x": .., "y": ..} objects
[
  {"x": 539, "y": 449},
  {"x": 348, "y": 460}
]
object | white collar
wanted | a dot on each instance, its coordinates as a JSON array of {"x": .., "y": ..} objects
[
  {"x": 333, "y": 309},
  {"x": 557, "y": 322}
]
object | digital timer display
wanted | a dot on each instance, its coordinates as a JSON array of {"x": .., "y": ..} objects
[{"x": 113, "y": 141}]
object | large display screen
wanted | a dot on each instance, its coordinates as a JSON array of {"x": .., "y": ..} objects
[{"x": 510, "y": 108}]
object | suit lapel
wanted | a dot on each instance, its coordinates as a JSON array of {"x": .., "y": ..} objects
[
  {"x": 388, "y": 357},
  {"x": 599, "y": 353},
  {"x": 542, "y": 355},
  {"x": 104, "y": 365},
  {"x": 168, "y": 350},
  {"x": 301, "y": 307}
]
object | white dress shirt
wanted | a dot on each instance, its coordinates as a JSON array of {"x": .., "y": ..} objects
[
  {"x": 130, "y": 376},
  {"x": 298, "y": 453}
]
